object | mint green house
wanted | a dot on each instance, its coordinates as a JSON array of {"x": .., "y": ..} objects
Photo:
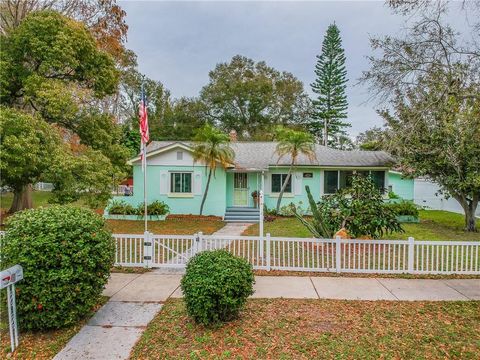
[{"x": 174, "y": 178}]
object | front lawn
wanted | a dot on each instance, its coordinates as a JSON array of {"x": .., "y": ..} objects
[
  {"x": 327, "y": 329},
  {"x": 39, "y": 198},
  {"x": 434, "y": 225},
  {"x": 175, "y": 226},
  {"x": 40, "y": 345}
]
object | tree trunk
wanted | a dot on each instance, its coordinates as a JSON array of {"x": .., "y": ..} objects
[
  {"x": 325, "y": 133},
  {"x": 470, "y": 221},
  {"x": 206, "y": 191},
  {"x": 22, "y": 199},
  {"x": 284, "y": 186},
  {"x": 469, "y": 208}
]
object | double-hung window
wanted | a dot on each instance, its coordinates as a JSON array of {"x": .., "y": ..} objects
[
  {"x": 278, "y": 180},
  {"x": 181, "y": 182}
]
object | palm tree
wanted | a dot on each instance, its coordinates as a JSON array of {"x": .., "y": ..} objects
[
  {"x": 292, "y": 143},
  {"x": 213, "y": 149}
]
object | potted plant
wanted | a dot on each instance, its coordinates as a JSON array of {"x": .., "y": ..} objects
[{"x": 255, "y": 196}]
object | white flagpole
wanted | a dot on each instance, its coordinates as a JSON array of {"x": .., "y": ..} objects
[{"x": 145, "y": 183}]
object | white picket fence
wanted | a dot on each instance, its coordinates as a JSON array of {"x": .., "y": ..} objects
[{"x": 305, "y": 254}]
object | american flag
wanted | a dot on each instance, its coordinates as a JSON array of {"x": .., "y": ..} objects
[{"x": 144, "y": 133}]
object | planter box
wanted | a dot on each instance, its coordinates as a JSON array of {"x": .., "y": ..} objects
[
  {"x": 407, "y": 219},
  {"x": 135, "y": 217}
]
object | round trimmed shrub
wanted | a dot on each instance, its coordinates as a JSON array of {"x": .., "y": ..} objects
[
  {"x": 216, "y": 286},
  {"x": 66, "y": 254}
]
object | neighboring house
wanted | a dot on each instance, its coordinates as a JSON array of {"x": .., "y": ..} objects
[
  {"x": 173, "y": 177},
  {"x": 423, "y": 192}
]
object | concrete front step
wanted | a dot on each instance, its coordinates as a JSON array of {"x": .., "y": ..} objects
[
  {"x": 242, "y": 209},
  {"x": 249, "y": 221}
]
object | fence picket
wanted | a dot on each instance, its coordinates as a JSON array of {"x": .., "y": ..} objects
[{"x": 301, "y": 254}]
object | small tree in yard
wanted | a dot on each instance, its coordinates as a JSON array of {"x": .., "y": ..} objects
[
  {"x": 359, "y": 209},
  {"x": 213, "y": 149},
  {"x": 292, "y": 143}
]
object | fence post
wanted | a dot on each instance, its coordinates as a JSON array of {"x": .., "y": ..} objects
[
  {"x": 200, "y": 241},
  {"x": 338, "y": 253},
  {"x": 411, "y": 251},
  {"x": 147, "y": 249},
  {"x": 261, "y": 249},
  {"x": 267, "y": 238}
]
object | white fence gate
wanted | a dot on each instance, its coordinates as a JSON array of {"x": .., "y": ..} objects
[{"x": 304, "y": 254}]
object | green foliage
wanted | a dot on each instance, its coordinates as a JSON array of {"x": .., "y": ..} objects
[
  {"x": 373, "y": 139},
  {"x": 360, "y": 209},
  {"x": 252, "y": 98},
  {"x": 119, "y": 207},
  {"x": 155, "y": 208},
  {"x": 403, "y": 207},
  {"x": 212, "y": 147},
  {"x": 53, "y": 68},
  {"x": 131, "y": 139},
  {"x": 86, "y": 176},
  {"x": 46, "y": 53},
  {"x": 331, "y": 104},
  {"x": 320, "y": 225},
  {"x": 66, "y": 254},
  {"x": 216, "y": 286},
  {"x": 26, "y": 147}
]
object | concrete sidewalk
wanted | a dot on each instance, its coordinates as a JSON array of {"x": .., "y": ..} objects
[
  {"x": 157, "y": 287},
  {"x": 136, "y": 298}
]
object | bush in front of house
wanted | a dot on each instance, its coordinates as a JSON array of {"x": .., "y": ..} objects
[
  {"x": 360, "y": 209},
  {"x": 216, "y": 286},
  {"x": 404, "y": 208},
  {"x": 66, "y": 254},
  {"x": 119, "y": 207}
]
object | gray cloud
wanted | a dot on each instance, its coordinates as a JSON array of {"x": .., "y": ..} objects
[{"x": 178, "y": 43}]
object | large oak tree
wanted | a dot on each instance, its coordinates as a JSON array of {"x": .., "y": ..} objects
[
  {"x": 252, "y": 98},
  {"x": 53, "y": 69}
]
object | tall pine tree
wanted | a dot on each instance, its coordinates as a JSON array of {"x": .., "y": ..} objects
[{"x": 331, "y": 103}]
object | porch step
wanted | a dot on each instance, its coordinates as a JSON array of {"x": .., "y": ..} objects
[
  {"x": 242, "y": 214},
  {"x": 242, "y": 209}
]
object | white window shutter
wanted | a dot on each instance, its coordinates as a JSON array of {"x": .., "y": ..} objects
[
  {"x": 164, "y": 182},
  {"x": 297, "y": 183},
  {"x": 197, "y": 182},
  {"x": 266, "y": 183}
]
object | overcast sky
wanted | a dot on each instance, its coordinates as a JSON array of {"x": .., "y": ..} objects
[{"x": 178, "y": 43}]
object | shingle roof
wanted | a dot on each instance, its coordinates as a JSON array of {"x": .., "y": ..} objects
[{"x": 260, "y": 155}]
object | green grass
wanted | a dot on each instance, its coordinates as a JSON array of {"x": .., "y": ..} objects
[
  {"x": 39, "y": 198},
  {"x": 319, "y": 329},
  {"x": 434, "y": 225}
]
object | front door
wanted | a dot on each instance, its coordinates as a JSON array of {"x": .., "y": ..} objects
[{"x": 240, "y": 189}]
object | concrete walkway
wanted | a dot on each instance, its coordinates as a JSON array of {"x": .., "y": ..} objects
[
  {"x": 134, "y": 301},
  {"x": 230, "y": 229},
  {"x": 136, "y": 298}
]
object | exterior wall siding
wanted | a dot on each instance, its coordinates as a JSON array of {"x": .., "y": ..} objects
[
  {"x": 215, "y": 203},
  {"x": 401, "y": 186},
  {"x": 298, "y": 195}
]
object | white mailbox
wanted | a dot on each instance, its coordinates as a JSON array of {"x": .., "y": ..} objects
[
  {"x": 8, "y": 278},
  {"x": 11, "y": 276}
]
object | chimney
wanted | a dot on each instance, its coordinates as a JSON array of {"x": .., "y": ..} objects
[{"x": 233, "y": 135}]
